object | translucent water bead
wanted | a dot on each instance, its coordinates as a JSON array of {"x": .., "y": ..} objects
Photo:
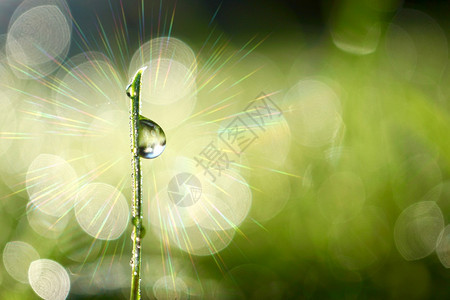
[{"x": 151, "y": 138}]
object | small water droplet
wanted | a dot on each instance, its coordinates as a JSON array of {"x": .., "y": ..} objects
[
  {"x": 151, "y": 139},
  {"x": 143, "y": 232},
  {"x": 133, "y": 89}
]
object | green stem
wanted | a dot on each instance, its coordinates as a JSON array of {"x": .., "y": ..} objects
[{"x": 133, "y": 91}]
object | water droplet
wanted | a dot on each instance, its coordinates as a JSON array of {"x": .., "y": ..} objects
[
  {"x": 133, "y": 89},
  {"x": 130, "y": 91},
  {"x": 151, "y": 138}
]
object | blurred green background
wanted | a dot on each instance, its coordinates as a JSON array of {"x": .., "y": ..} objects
[{"x": 344, "y": 194}]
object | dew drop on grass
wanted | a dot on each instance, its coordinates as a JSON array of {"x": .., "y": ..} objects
[{"x": 151, "y": 139}]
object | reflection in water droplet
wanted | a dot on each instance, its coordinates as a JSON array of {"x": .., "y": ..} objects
[{"x": 151, "y": 139}]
